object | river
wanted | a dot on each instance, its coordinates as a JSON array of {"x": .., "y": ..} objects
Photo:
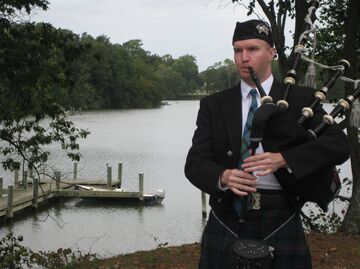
[{"x": 150, "y": 141}]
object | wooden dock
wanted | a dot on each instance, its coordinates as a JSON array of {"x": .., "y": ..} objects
[{"x": 31, "y": 194}]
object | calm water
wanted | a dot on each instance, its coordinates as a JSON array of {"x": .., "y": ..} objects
[{"x": 152, "y": 141}]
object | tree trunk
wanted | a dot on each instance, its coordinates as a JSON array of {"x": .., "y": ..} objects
[
  {"x": 351, "y": 223},
  {"x": 278, "y": 34}
]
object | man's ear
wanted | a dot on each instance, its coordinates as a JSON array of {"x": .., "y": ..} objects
[{"x": 273, "y": 54}]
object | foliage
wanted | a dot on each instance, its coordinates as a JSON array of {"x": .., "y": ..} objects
[
  {"x": 314, "y": 219},
  {"x": 332, "y": 31},
  {"x": 13, "y": 255},
  {"x": 330, "y": 37},
  {"x": 220, "y": 76},
  {"x": 34, "y": 60},
  {"x": 317, "y": 220},
  {"x": 9, "y": 8},
  {"x": 178, "y": 77}
]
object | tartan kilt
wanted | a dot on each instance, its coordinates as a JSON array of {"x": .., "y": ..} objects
[{"x": 291, "y": 250}]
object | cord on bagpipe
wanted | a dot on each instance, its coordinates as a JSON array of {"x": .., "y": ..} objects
[{"x": 299, "y": 50}]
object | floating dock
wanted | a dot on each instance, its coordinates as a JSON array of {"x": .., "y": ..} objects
[{"x": 30, "y": 194}]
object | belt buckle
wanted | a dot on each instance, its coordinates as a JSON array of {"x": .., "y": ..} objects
[{"x": 255, "y": 201}]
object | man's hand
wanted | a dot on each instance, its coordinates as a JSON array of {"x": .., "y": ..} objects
[
  {"x": 264, "y": 163},
  {"x": 238, "y": 181}
]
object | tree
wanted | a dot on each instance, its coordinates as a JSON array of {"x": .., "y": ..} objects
[
  {"x": 340, "y": 38},
  {"x": 219, "y": 76},
  {"x": 170, "y": 83},
  {"x": 351, "y": 222},
  {"x": 186, "y": 66},
  {"x": 34, "y": 60},
  {"x": 178, "y": 77},
  {"x": 144, "y": 65},
  {"x": 114, "y": 76}
]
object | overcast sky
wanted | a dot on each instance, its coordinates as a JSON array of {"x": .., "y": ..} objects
[{"x": 202, "y": 28}]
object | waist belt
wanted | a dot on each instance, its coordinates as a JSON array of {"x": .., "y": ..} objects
[{"x": 267, "y": 199}]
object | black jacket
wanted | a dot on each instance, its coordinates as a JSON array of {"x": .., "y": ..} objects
[{"x": 217, "y": 140}]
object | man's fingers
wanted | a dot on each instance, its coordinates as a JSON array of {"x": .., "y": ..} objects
[
  {"x": 237, "y": 192},
  {"x": 264, "y": 161},
  {"x": 238, "y": 174},
  {"x": 264, "y": 172},
  {"x": 239, "y": 182},
  {"x": 242, "y": 192},
  {"x": 260, "y": 168},
  {"x": 245, "y": 186}
]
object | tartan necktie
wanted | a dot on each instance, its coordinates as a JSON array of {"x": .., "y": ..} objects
[{"x": 245, "y": 144}]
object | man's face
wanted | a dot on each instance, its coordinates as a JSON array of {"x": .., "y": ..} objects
[{"x": 256, "y": 53}]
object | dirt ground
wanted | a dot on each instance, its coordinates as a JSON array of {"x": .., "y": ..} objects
[{"x": 336, "y": 251}]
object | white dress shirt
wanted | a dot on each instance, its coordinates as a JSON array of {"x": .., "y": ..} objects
[{"x": 269, "y": 181}]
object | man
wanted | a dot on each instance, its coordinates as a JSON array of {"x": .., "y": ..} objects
[{"x": 215, "y": 162}]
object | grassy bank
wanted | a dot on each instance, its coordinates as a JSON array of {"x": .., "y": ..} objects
[{"x": 336, "y": 251}]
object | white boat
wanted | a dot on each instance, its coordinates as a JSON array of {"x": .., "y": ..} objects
[{"x": 88, "y": 191}]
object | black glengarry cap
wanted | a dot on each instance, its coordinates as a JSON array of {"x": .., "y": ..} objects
[{"x": 253, "y": 29}]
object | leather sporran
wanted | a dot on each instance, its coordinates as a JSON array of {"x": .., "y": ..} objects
[{"x": 253, "y": 254}]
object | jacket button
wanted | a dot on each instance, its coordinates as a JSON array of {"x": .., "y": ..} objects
[{"x": 219, "y": 200}]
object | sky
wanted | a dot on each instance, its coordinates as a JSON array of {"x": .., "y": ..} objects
[{"x": 202, "y": 28}]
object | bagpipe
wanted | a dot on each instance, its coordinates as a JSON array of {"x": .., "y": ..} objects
[{"x": 277, "y": 129}]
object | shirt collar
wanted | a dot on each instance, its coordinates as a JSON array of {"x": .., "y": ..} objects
[{"x": 245, "y": 88}]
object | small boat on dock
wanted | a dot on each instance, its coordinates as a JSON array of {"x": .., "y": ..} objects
[{"x": 118, "y": 194}]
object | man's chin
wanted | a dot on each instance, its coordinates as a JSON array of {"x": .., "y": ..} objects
[{"x": 245, "y": 76}]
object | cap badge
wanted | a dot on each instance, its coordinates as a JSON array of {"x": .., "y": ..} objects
[{"x": 261, "y": 28}]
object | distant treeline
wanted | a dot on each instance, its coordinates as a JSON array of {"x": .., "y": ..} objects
[
  {"x": 126, "y": 76},
  {"x": 84, "y": 72}
]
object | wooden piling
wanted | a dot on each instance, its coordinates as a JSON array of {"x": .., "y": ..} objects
[
  {"x": 75, "y": 170},
  {"x": 120, "y": 174},
  {"x": 109, "y": 176},
  {"x": 43, "y": 172},
  {"x": 57, "y": 179},
  {"x": 16, "y": 178},
  {"x": 25, "y": 180},
  {"x": 9, "y": 211},
  {"x": 35, "y": 193},
  {"x": 141, "y": 186},
  {"x": 31, "y": 172},
  {"x": 203, "y": 205},
  {"x": 1, "y": 187}
]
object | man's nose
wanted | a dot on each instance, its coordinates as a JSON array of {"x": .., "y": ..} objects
[{"x": 245, "y": 57}]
